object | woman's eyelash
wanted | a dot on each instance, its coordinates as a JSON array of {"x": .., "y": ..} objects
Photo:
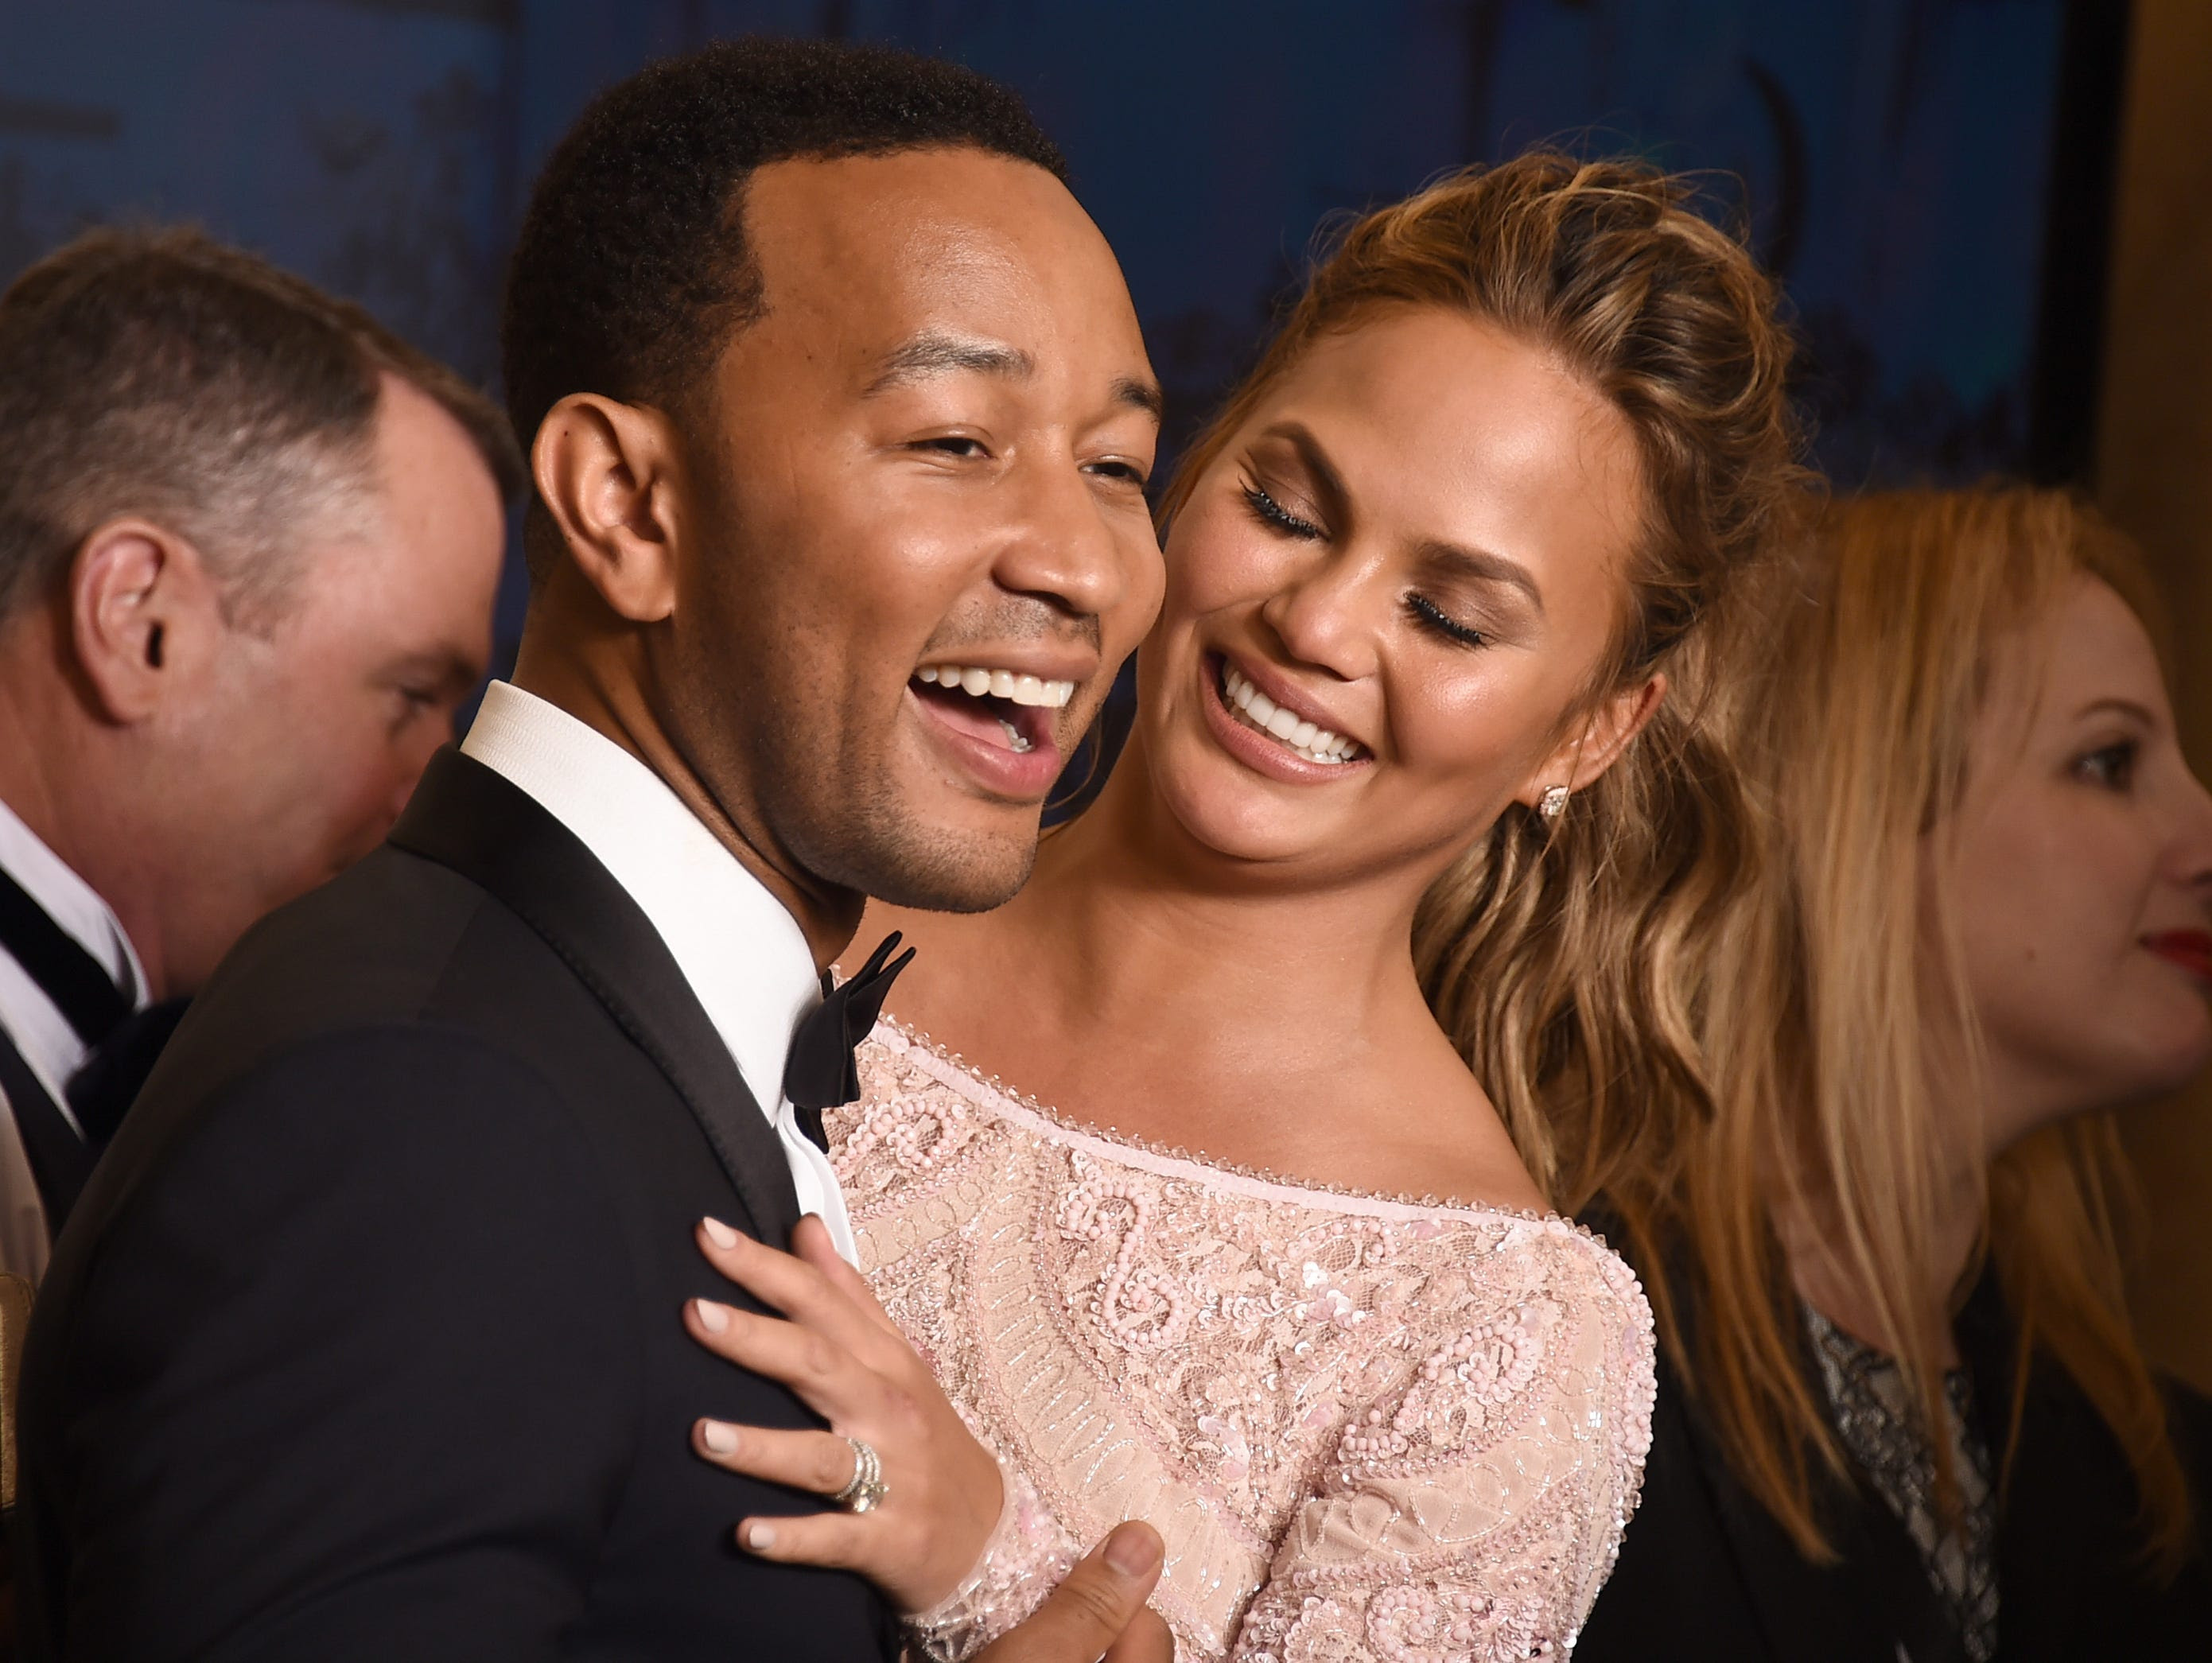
[
  {"x": 1429, "y": 616},
  {"x": 2111, "y": 765},
  {"x": 1271, "y": 513}
]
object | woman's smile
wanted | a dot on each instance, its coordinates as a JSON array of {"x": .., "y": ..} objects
[{"x": 1274, "y": 728}]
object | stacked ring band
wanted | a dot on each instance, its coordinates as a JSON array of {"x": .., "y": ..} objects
[{"x": 866, "y": 1487}]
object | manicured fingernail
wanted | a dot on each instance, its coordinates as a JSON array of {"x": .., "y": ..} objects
[
  {"x": 712, "y": 1317},
  {"x": 1131, "y": 1552},
  {"x": 718, "y": 1232},
  {"x": 760, "y": 1536},
  {"x": 719, "y": 1437}
]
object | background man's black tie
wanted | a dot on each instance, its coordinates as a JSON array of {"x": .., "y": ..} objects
[
  {"x": 124, "y": 1045},
  {"x": 821, "y": 1072}
]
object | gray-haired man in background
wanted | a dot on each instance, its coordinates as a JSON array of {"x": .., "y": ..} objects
[{"x": 249, "y": 542}]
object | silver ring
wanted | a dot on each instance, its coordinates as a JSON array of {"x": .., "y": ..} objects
[{"x": 866, "y": 1490}]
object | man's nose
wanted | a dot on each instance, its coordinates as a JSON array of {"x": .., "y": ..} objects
[
  {"x": 423, "y": 742},
  {"x": 1071, "y": 548}
]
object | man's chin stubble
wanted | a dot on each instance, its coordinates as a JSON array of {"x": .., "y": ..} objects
[{"x": 882, "y": 854}]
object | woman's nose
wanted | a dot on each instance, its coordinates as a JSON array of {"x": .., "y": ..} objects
[
  {"x": 2191, "y": 849},
  {"x": 1328, "y": 611}
]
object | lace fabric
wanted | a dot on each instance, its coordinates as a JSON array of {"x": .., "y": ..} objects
[
  {"x": 1366, "y": 1427},
  {"x": 1882, "y": 1429}
]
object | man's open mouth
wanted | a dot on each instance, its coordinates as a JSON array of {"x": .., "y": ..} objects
[{"x": 1001, "y": 707}]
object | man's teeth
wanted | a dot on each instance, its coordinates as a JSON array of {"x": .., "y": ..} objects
[
  {"x": 1256, "y": 710},
  {"x": 998, "y": 684}
]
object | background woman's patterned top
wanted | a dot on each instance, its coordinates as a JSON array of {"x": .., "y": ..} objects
[
  {"x": 1366, "y": 1428},
  {"x": 1881, "y": 1426}
]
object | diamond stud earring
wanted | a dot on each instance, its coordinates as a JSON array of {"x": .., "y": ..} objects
[{"x": 1553, "y": 804}]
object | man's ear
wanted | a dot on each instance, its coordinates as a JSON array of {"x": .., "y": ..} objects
[
  {"x": 1594, "y": 744},
  {"x": 605, "y": 472},
  {"x": 145, "y": 615}
]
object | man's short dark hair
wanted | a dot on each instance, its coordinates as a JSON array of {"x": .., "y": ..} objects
[
  {"x": 161, "y": 373},
  {"x": 632, "y": 268}
]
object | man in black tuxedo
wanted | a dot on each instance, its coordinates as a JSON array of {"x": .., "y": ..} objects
[{"x": 363, "y": 1342}]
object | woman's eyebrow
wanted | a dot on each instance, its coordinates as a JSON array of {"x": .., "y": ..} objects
[
  {"x": 2129, "y": 707},
  {"x": 1458, "y": 560},
  {"x": 1327, "y": 483},
  {"x": 1454, "y": 559}
]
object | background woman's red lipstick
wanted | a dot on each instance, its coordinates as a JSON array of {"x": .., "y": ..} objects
[{"x": 2190, "y": 949}]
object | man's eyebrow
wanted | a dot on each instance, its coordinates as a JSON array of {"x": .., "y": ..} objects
[
  {"x": 937, "y": 352},
  {"x": 934, "y": 352},
  {"x": 447, "y": 666},
  {"x": 1141, "y": 395}
]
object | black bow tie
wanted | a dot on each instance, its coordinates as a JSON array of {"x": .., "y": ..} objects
[{"x": 821, "y": 1072}]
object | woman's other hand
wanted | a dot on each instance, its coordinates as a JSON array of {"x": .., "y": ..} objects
[{"x": 847, "y": 1362}]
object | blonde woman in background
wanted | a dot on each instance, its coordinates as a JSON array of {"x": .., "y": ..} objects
[
  {"x": 1902, "y": 1412},
  {"x": 1166, "y": 1166}
]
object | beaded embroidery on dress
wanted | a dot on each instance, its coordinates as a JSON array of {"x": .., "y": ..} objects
[{"x": 1366, "y": 1428}]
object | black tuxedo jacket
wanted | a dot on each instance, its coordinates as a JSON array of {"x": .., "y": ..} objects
[
  {"x": 1706, "y": 1575},
  {"x": 364, "y": 1339}
]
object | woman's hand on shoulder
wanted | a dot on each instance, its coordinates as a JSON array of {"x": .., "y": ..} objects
[{"x": 847, "y": 1361}]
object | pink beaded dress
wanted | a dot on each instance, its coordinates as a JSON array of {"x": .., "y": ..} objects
[{"x": 1366, "y": 1428}]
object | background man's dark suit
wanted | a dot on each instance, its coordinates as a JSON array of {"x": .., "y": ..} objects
[{"x": 363, "y": 1343}]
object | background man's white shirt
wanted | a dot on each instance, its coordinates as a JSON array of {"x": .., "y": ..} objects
[
  {"x": 741, "y": 951},
  {"x": 50, "y": 1045}
]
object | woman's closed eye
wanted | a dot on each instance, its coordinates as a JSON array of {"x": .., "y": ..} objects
[
  {"x": 1437, "y": 621},
  {"x": 1272, "y": 515}
]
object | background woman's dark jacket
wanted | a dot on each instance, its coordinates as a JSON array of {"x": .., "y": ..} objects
[{"x": 1706, "y": 1574}]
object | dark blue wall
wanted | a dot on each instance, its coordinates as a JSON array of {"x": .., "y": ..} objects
[{"x": 1895, "y": 155}]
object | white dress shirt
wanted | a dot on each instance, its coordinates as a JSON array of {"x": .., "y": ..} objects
[
  {"x": 742, "y": 952},
  {"x": 50, "y": 1045}
]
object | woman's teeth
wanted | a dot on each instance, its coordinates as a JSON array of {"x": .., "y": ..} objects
[
  {"x": 1256, "y": 710},
  {"x": 998, "y": 684}
]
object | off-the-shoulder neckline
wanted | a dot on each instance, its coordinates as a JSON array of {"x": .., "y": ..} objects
[{"x": 993, "y": 1093}]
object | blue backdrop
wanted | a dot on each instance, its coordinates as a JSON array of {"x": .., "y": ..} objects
[{"x": 1900, "y": 160}]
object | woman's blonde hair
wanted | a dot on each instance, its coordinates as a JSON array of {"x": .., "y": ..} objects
[
  {"x": 1550, "y": 953},
  {"x": 1834, "y": 1014}
]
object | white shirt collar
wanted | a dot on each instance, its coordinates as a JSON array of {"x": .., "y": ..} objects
[
  {"x": 71, "y": 902},
  {"x": 743, "y": 954},
  {"x": 42, "y": 1033}
]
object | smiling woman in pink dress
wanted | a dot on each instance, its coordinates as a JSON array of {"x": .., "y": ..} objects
[{"x": 1167, "y": 1167}]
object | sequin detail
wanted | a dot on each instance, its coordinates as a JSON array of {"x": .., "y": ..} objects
[
  {"x": 1024, "y": 1547},
  {"x": 1367, "y": 1427}
]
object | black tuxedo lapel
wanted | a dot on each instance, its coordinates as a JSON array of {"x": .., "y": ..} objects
[{"x": 474, "y": 820}]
